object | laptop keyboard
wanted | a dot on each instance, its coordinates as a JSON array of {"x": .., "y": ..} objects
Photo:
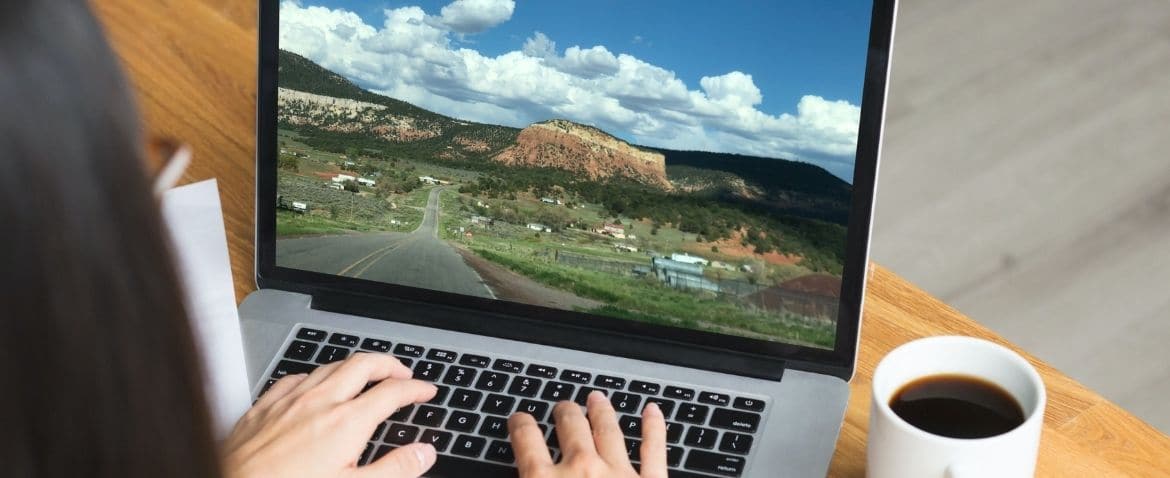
[{"x": 709, "y": 432}]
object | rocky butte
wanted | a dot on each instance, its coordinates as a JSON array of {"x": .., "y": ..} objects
[{"x": 585, "y": 150}]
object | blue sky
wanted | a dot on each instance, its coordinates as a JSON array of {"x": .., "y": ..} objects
[{"x": 783, "y": 78}]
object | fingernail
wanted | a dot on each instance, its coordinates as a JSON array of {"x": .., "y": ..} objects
[
  {"x": 652, "y": 407},
  {"x": 595, "y": 396},
  {"x": 425, "y": 455}
]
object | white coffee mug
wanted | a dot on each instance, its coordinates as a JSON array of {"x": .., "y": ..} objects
[{"x": 897, "y": 449}]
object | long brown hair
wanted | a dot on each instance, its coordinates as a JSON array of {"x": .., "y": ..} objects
[{"x": 98, "y": 372}]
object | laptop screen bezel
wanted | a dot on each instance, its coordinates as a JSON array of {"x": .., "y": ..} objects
[{"x": 516, "y": 316}]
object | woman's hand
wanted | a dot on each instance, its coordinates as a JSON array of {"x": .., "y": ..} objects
[
  {"x": 312, "y": 425},
  {"x": 589, "y": 448}
]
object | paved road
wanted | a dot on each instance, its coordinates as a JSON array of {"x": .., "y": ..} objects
[{"x": 418, "y": 259}]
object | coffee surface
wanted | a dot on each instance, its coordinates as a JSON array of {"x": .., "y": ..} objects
[{"x": 957, "y": 406}]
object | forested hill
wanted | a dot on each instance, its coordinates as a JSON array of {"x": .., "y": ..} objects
[{"x": 772, "y": 174}]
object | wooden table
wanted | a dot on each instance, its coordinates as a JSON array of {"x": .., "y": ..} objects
[{"x": 192, "y": 63}]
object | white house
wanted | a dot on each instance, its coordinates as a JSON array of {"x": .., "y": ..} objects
[
  {"x": 300, "y": 206},
  {"x": 366, "y": 182},
  {"x": 428, "y": 180},
  {"x": 688, "y": 259},
  {"x": 341, "y": 178},
  {"x": 536, "y": 226},
  {"x": 336, "y": 186}
]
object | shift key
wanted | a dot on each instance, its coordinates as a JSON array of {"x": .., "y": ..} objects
[{"x": 717, "y": 463}]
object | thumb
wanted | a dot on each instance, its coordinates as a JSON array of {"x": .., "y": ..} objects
[{"x": 410, "y": 461}]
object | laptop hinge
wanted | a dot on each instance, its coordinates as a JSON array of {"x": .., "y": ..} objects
[{"x": 569, "y": 336}]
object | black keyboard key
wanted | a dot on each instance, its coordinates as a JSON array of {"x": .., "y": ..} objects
[
  {"x": 736, "y": 420},
  {"x": 442, "y": 355},
  {"x": 701, "y": 437},
  {"x": 524, "y": 386},
  {"x": 402, "y": 414},
  {"x": 625, "y": 402},
  {"x": 441, "y": 393},
  {"x": 645, "y": 388},
  {"x": 750, "y": 404},
  {"x": 679, "y": 393},
  {"x": 538, "y": 410},
  {"x": 494, "y": 427},
  {"x": 500, "y": 451},
  {"x": 366, "y": 454},
  {"x": 553, "y": 441},
  {"x": 469, "y": 446},
  {"x": 429, "y": 416},
  {"x": 462, "y": 421},
  {"x": 716, "y": 463},
  {"x": 285, "y": 368},
  {"x": 691, "y": 413},
  {"x": 492, "y": 381},
  {"x": 474, "y": 360},
  {"x": 376, "y": 345},
  {"x": 610, "y": 382},
  {"x": 631, "y": 426},
  {"x": 343, "y": 340},
  {"x": 406, "y": 361},
  {"x": 408, "y": 350},
  {"x": 465, "y": 399},
  {"x": 311, "y": 334},
  {"x": 437, "y": 438},
  {"x": 583, "y": 394},
  {"x": 715, "y": 398},
  {"x": 674, "y": 455},
  {"x": 459, "y": 376},
  {"x": 331, "y": 354},
  {"x": 557, "y": 391},
  {"x": 498, "y": 404},
  {"x": 508, "y": 366},
  {"x": 576, "y": 377},
  {"x": 674, "y": 431},
  {"x": 667, "y": 406},
  {"x": 634, "y": 449},
  {"x": 378, "y": 432},
  {"x": 267, "y": 385},
  {"x": 300, "y": 350},
  {"x": 382, "y": 451},
  {"x": 543, "y": 371},
  {"x": 401, "y": 434},
  {"x": 429, "y": 371},
  {"x": 736, "y": 443}
]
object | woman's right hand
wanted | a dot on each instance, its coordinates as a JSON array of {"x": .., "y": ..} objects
[{"x": 590, "y": 448}]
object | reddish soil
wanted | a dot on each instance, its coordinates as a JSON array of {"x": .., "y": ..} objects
[{"x": 732, "y": 248}]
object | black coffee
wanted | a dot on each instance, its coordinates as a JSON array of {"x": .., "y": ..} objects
[{"x": 957, "y": 406}]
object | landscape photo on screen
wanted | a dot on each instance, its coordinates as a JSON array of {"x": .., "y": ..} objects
[{"x": 686, "y": 164}]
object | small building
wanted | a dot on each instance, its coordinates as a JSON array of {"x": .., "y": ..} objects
[
  {"x": 341, "y": 178},
  {"x": 336, "y": 186},
  {"x": 366, "y": 182},
  {"x": 682, "y": 275},
  {"x": 536, "y": 226},
  {"x": 624, "y": 247},
  {"x": 428, "y": 180},
  {"x": 688, "y": 259},
  {"x": 300, "y": 207},
  {"x": 548, "y": 200},
  {"x": 481, "y": 220},
  {"x": 613, "y": 229}
]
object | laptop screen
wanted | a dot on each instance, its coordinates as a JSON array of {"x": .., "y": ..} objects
[{"x": 686, "y": 164}]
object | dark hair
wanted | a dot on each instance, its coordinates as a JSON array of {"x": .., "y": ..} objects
[{"x": 98, "y": 368}]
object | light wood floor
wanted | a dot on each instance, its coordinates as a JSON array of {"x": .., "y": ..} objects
[{"x": 1025, "y": 180}]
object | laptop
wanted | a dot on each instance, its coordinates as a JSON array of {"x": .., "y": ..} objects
[{"x": 665, "y": 201}]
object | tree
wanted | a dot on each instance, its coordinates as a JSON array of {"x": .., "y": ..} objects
[
  {"x": 350, "y": 186},
  {"x": 287, "y": 163}
]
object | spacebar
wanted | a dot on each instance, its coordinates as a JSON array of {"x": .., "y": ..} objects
[{"x": 452, "y": 467}]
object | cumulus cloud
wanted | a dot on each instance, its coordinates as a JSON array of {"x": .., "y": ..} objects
[
  {"x": 413, "y": 58},
  {"x": 475, "y": 16}
]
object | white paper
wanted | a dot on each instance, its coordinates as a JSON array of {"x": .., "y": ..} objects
[{"x": 193, "y": 215}]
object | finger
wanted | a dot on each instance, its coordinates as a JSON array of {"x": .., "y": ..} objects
[
  {"x": 409, "y": 461},
  {"x": 528, "y": 444},
  {"x": 653, "y": 451},
  {"x": 279, "y": 390},
  {"x": 355, "y": 372},
  {"x": 573, "y": 431},
  {"x": 389, "y": 395},
  {"x": 607, "y": 436},
  {"x": 316, "y": 377}
]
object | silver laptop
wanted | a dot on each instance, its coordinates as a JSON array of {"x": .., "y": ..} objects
[{"x": 526, "y": 201}]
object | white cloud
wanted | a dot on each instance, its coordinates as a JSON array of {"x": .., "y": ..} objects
[
  {"x": 475, "y": 16},
  {"x": 413, "y": 58}
]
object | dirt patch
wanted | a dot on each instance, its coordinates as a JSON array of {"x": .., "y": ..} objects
[
  {"x": 732, "y": 248},
  {"x": 508, "y": 285}
]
